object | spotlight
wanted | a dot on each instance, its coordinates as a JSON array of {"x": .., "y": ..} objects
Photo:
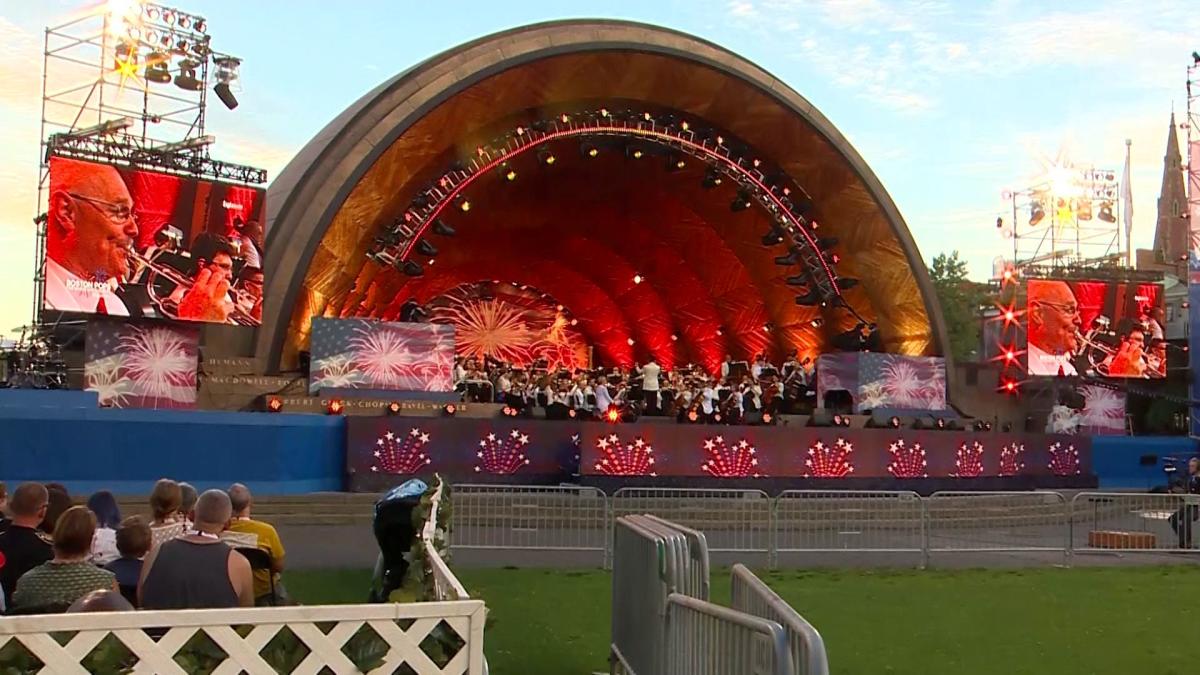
[
  {"x": 1006, "y": 427},
  {"x": 637, "y": 278},
  {"x": 200, "y": 26},
  {"x": 1009, "y": 386},
  {"x": 442, "y": 229},
  {"x": 186, "y": 79},
  {"x": 797, "y": 280},
  {"x": 772, "y": 238},
  {"x": 834, "y": 258},
  {"x": 426, "y": 248},
  {"x": 767, "y": 327},
  {"x": 1106, "y": 213},
  {"x": 634, "y": 152},
  {"x": 125, "y": 61},
  {"x": 412, "y": 268},
  {"x": 939, "y": 423},
  {"x": 393, "y": 408},
  {"x": 157, "y": 70},
  {"x": 817, "y": 322},
  {"x": 826, "y": 243},
  {"x": 712, "y": 178},
  {"x": 675, "y": 162},
  {"x": 767, "y": 418},
  {"x": 509, "y": 173},
  {"x": 810, "y": 299},
  {"x": 716, "y": 417},
  {"x": 572, "y": 414},
  {"x": 545, "y": 157},
  {"x": 788, "y": 260},
  {"x": 274, "y": 404},
  {"x": 335, "y": 407},
  {"x": 613, "y": 415},
  {"x": 674, "y": 337},
  {"x": 464, "y": 204},
  {"x": 227, "y": 74},
  {"x": 693, "y": 416},
  {"x": 449, "y": 410},
  {"x": 1036, "y": 213},
  {"x": 629, "y": 342},
  {"x": 837, "y": 420},
  {"x": 740, "y": 203},
  {"x": 846, "y": 283},
  {"x": 894, "y": 422},
  {"x": 589, "y": 150}
]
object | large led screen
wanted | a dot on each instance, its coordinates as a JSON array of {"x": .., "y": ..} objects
[
  {"x": 1095, "y": 328},
  {"x": 126, "y": 242}
]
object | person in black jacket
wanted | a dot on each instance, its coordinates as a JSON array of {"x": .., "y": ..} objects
[{"x": 1181, "y": 521}]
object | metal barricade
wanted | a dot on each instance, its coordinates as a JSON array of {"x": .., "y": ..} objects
[
  {"x": 996, "y": 521},
  {"x": 646, "y": 556},
  {"x": 732, "y": 520},
  {"x": 752, "y": 596},
  {"x": 530, "y": 518},
  {"x": 707, "y": 639},
  {"x": 694, "y": 570},
  {"x": 1134, "y": 523},
  {"x": 846, "y": 521}
]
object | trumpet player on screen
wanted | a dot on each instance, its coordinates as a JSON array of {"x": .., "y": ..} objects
[
  {"x": 1054, "y": 323},
  {"x": 89, "y": 229}
]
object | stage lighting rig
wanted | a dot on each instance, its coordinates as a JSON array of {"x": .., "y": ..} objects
[
  {"x": 712, "y": 178},
  {"x": 792, "y": 257},
  {"x": 741, "y": 202},
  {"x": 227, "y": 75},
  {"x": 442, "y": 229}
]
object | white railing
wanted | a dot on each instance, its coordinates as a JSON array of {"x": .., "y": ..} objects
[
  {"x": 241, "y": 635},
  {"x": 446, "y": 586}
]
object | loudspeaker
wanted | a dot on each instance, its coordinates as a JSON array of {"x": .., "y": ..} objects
[{"x": 224, "y": 93}]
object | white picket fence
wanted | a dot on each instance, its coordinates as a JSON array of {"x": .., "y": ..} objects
[
  {"x": 446, "y": 586},
  {"x": 311, "y": 625}
]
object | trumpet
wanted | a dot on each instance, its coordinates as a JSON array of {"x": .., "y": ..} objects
[
  {"x": 160, "y": 277},
  {"x": 1098, "y": 353}
]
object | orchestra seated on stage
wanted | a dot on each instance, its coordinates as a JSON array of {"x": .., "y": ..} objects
[{"x": 741, "y": 392}]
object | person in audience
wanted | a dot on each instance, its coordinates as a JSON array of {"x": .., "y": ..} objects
[
  {"x": 268, "y": 540},
  {"x": 101, "y": 601},
  {"x": 60, "y": 501},
  {"x": 23, "y": 546},
  {"x": 4, "y": 519},
  {"x": 187, "y": 503},
  {"x": 133, "y": 543},
  {"x": 198, "y": 570},
  {"x": 165, "y": 500},
  {"x": 108, "y": 519},
  {"x": 68, "y": 575}
]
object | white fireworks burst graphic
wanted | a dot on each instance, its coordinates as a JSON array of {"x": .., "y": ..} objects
[
  {"x": 903, "y": 386},
  {"x": 382, "y": 356},
  {"x": 158, "y": 362},
  {"x": 1105, "y": 409},
  {"x": 336, "y": 371},
  {"x": 104, "y": 378},
  {"x": 871, "y": 396},
  {"x": 491, "y": 328}
]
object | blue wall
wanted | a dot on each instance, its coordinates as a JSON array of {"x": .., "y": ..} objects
[
  {"x": 1116, "y": 459},
  {"x": 125, "y": 451}
]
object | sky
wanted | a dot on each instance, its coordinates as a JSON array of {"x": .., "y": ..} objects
[{"x": 950, "y": 102}]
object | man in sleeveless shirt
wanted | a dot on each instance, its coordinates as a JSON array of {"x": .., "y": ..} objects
[{"x": 198, "y": 570}]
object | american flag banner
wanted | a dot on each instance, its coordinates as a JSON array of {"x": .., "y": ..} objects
[
  {"x": 366, "y": 354},
  {"x": 900, "y": 382},
  {"x": 141, "y": 364},
  {"x": 836, "y": 371}
]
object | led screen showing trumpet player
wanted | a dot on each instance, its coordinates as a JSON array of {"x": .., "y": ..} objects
[
  {"x": 127, "y": 242},
  {"x": 1096, "y": 328}
]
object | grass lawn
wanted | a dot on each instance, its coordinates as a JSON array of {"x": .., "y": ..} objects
[{"x": 1003, "y": 622}]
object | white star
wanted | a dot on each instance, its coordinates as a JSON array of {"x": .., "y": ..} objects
[
  {"x": 514, "y": 433},
  {"x": 721, "y": 440},
  {"x": 743, "y": 444},
  {"x": 379, "y": 442},
  {"x": 424, "y": 438},
  {"x": 389, "y": 435},
  {"x": 602, "y": 443},
  {"x": 483, "y": 444},
  {"x": 378, "y": 454},
  {"x": 415, "y": 432},
  {"x": 638, "y": 443},
  {"x": 524, "y": 439},
  {"x": 491, "y": 437},
  {"x": 708, "y": 444}
]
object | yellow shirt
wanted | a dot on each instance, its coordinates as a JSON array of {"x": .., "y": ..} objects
[{"x": 268, "y": 540}]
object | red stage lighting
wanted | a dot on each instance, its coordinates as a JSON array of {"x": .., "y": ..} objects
[
  {"x": 837, "y": 420},
  {"x": 767, "y": 419},
  {"x": 1010, "y": 387},
  {"x": 894, "y": 422},
  {"x": 613, "y": 415},
  {"x": 274, "y": 404},
  {"x": 693, "y": 416},
  {"x": 716, "y": 417},
  {"x": 335, "y": 407},
  {"x": 393, "y": 409},
  {"x": 572, "y": 414},
  {"x": 449, "y": 410}
]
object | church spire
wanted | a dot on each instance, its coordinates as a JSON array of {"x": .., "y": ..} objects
[{"x": 1171, "y": 233}]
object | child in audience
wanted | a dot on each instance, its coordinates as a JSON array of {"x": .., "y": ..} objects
[{"x": 133, "y": 543}]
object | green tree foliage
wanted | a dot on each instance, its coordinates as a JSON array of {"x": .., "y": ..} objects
[{"x": 961, "y": 299}]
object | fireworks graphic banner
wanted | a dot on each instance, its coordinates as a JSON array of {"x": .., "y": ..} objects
[
  {"x": 365, "y": 354},
  {"x": 141, "y": 364},
  {"x": 1103, "y": 412},
  {"x": 837, "y": 371},
  {"x": 901, "y": 382}
]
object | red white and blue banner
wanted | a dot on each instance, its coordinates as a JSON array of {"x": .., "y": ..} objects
[
  {"x": 141, "y": 364},
  {"x": 381, "y": 356},
  {"x": 884, "y": 381}
]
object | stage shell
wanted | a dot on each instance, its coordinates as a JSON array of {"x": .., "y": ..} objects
[{"x": 580, "y": 231}]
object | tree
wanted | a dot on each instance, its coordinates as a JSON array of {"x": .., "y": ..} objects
[{"x": 961, "y": 299}]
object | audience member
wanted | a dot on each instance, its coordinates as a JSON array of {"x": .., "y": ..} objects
[
  {"x": 268, "y": 540},
  {"x": 108, "y": 519},
  {"x": 165, "y": 500},
  {"x": 59, "y": 502},
  {"x": 198, "y": 570},
  {"x": 4, "y": 520},
  {"x": 22, "y": 546},
  {"x": 101, "y": 601},
  {"x": 187, "y": 503},
  {"x": 133, "y": 543},
  {"x": 58, "y": 582}
]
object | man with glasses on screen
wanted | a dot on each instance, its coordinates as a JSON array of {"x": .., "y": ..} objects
[
  {"x": 1054, "y": 324},
  {"x": 90, "y": 228}
]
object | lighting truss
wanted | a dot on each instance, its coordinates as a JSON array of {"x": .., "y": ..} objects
[
  {"x": 784, "y": 203},
  {"x": 182, "y": 159}
]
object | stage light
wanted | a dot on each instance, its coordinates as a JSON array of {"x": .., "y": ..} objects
[
  {"x": 767, "y": 327},
  {"x": 157, "y": 70},
  {"x": 1106, "y": 213},
  {"x": 1009, "y": 386},
  {"x": 1010, "y": 356},
  {"x": 200, "y": 26},
  {"x": 441, "y": 228},
  {"x": 1196, "y": 58},
  {"x": 449, "y": 410},
  {"x": 426, "y": 248},
  {"x": 675, "y": 162},
  {"x": 637, "y": 278},
  {"x": 717, "y": 417},
  {"x": 274, "y": 404},
  {"x": 509, "y": 173},
  {"x": 939, "y": 423},
  {"x": 588, "y": 150},
  {"x": 810, "y": 299},
  {"x": 719, "y": 332},
  {"x": 412, "y": 268},
  {"x": 797, "y": 280},
  {"x": 335, "y": 407},
  {"x": 826, "y": 243},
  {"x": 788, "y": 260},
  {"x": 464, "y": 204},
  {"x": 629, "y": 342},
  {"x": 772, "y": 238},
  {"x": 186, "y": 79},
  {"x": 182, "y": 47},
  {"x": 741, "y": 202},
  {"x": 767, "y": 418},
  {"x": 894, "y": 422},
  {"x": 647, "y": 116},
  {"x": 393, "y": 408},
  {"x": 837, "y": 420},
  {"x": 817, "y": 322},
  {"x": 227, "y": 74},
  {"x": 846, "y": 283},
  {"x": 693, "y": 416},
  {"x": 834, "y": 258},
  {"x": 634, "y": 152},
  {"x": 613, "y": 415},
  {"x": 545, "y": 157},
  {"x": 1036, "y": 213}
]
